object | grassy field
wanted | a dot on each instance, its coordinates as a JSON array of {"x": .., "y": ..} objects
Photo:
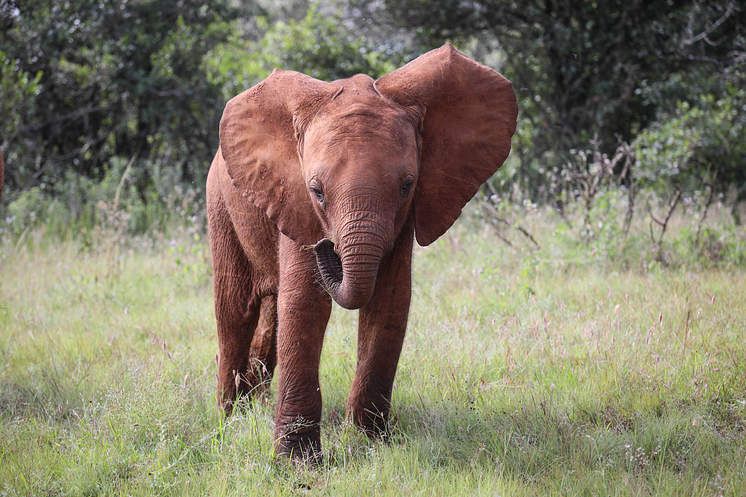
[{"x": 522, "y": 374}]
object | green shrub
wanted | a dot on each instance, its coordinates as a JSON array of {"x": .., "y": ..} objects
[
  {"x": 318, "y": 45},
  {"x": 700, "y": 146}
]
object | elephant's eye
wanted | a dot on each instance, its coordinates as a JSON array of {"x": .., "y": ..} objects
[
  {"x": 406, "y": 187},
  {"x": 317, "y": 192}
]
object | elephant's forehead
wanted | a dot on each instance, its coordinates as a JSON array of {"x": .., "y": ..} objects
[
  {"x": 357, "y": 97},
  {"x": 369, "y": 121},
  {"x": 360, "y": 138}
]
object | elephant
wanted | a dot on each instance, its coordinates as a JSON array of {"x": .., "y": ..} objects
[{"x": 316, "y": 193}]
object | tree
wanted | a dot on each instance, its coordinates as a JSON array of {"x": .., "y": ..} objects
[
  {"x": 586, "y": 71},
  {"x": 114, "y": 79},
  {"x": 317, "y": 44}
]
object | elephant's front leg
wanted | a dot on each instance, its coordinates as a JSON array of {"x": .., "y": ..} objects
[
  {"x": 303, "y": 312},
  {"x": 382, "y": 324}
]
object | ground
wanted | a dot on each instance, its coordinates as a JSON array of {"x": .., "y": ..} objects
[{"x": 522, "y": 374}]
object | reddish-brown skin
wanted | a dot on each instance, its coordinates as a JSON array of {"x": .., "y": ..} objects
[{"x": 317, "y": 192}]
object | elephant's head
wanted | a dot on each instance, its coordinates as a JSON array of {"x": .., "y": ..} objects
[{"x": 343, "y": 165}]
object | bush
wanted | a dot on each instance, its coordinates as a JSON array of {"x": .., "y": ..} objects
[
  {"x": 318, "y": 45},
  {"x": 699, "y": 150},
  {"x": 79, "y": 206}
]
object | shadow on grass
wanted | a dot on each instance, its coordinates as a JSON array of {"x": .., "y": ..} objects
[{"x": 541, "y": 442}]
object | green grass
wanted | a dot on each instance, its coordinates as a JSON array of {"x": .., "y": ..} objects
[{"x": 522, "y": 374}]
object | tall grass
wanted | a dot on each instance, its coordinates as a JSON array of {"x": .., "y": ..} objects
[{"x": 525, "y": 371}]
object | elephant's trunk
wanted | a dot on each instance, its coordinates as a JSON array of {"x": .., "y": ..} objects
[{"x": 351, "y": 278}]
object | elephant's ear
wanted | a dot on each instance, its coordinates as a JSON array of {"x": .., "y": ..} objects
[
  {"x": 259, "y": 134},
  {"x": 469, "y": 115}
]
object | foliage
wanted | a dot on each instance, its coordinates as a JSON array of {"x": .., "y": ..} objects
[
  {"x": 142, "y": 83},
  {"x": 631, "y": 102},
  {"x": 700, "y": 146},
  {"x": 586, "y": 71},
  {"x": 318, "y": 45},
  {"x": 117, "y": 79},
  {"x": 81, "y": 207},
  {"x": 19, "y": 90},
  {"x": 601, "y": 234}
]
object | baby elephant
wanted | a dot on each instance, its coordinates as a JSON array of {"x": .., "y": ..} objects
[{"x": 316, "y": 193}]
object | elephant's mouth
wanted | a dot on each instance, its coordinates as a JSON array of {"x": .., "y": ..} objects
[{"x": 329, "y": 264}]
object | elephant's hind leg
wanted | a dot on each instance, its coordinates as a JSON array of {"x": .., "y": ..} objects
[{"x": 263, "y": 355}]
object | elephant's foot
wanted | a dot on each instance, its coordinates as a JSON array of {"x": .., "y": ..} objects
[
  {"x": 299, "y": 440},
  {"x": 248, "y": 385},
  {"x": 226, "y": 394},
  {"x": 258, "y": 378},
  {"x": 369, "y": 418}
]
